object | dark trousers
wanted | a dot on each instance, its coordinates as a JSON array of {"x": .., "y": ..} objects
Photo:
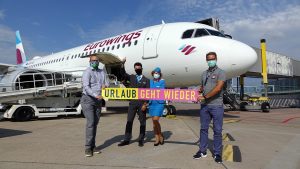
[
  {"x": 133, "y": 109},
  {"x": 207, "y": 113},
  {"x": 91, "y": 108}
]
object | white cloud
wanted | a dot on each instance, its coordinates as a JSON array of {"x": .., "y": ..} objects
[
  {"x": 36, "y": 23},
  {"x": 2, "y": 15},
  {"x": 120, "y": 24},
  {"x": 281, "y": 30},
  {"x": 248, "y": 21},
  {"x": 8, "y": 46}
]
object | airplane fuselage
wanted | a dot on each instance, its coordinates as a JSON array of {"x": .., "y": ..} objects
[{"x": 179, "y": 49}]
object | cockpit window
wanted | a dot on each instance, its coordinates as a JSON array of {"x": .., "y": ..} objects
[
  {"x": 215, "y": 33},
  {"x": 201, "y": 32},
  {"x": 187, "y": 34}
]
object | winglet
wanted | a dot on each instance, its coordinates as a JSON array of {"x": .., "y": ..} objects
[{"x": 20, "y": 54}]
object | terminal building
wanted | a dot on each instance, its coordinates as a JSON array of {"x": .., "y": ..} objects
[{"x": 283, "y": 79}]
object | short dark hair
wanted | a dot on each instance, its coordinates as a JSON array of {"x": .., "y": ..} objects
[
  {"x": 137, "y": 64},
  {"x": 211, "y": 53}
]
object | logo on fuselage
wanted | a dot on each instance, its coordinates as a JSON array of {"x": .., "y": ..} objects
[{"x": 187, "y": 49}]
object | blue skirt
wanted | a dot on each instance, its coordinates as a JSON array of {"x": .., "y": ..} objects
[{"x": 156, "y": 109}]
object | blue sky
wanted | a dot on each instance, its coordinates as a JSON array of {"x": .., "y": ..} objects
[{"x": 51, "y": 26}]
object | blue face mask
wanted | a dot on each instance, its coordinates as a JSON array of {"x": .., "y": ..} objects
[
  {"x": 94, "y": 64},
  {"x": 156, "y": 76},
  {"x": 212, "y": 63}
]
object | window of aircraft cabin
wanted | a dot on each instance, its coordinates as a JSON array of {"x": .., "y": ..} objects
[
  {"x": 113, "y": 47},
  {"x": 201, "y": 32},
  {"x": 103, "y": 49},
  {"x": 79, "y": 55},
  {"x": 82, "y": 54},
  {"x": 123, "y": 46},
  {"x": 68, "y": 58},
  {"x": 187, "y": 34},
  {"x": 99, "y": 50},
  {"x": 90, "y": 52},
  {"x": 129, "y": 44},
  {"x": 135, "y": 42},
  {"x": 72, "y": 56},
  {"x": 107, "y": 49},
  {"x": 75, "y": 55},
  {"x": 215, "y": 33},
  {"x": 118, "y": 46},
  {"x": 62, "y": 59},
  {"x": 95, "y": 51}
]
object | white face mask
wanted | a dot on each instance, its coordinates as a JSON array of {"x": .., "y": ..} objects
[{"x": 156, "y": 76}]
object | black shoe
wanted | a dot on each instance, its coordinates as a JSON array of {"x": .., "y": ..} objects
[
  {"x": 88, "y": 152},
  {"x": 141, "y": 143},
  {"x": 123, "y": 143},
  {"x": 162, "y": 140},
  {"x": 218, "y": 159},
  {"x": 96, "y": 151},
  {"x": 199, "y": 155},
  {"x": 156, "y": 144}
]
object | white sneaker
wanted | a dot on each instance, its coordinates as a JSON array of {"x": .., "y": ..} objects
[{"x": 103, "y": 109}]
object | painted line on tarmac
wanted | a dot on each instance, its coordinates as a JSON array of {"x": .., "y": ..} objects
[
  {"x": 230, "y": 121},
  {"x": 227, "y": 137},
  {"x": 289, "y": 119},
  {"x": 231, "y": 153},
  {"x": 82, "y": 165}
]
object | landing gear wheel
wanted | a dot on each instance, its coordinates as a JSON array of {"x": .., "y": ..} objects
[
  {"x": 166, "y": 111},
  {"x": 243, "y": 106},
  {"x": 23, "y": 114},
  {"x": 173, "y": 110},
  {"x": 265, "y": 107}
]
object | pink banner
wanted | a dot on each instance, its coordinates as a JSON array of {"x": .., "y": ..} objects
[{"x": 182, "y": 95}]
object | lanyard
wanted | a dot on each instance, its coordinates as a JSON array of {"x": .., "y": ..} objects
[{"x": 208, "y": 74}]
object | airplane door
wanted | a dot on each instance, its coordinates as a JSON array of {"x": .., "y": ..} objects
[{"x": 150, "y": 42}]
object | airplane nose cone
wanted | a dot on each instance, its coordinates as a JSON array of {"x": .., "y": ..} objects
[{"x": 244, "y": 57}]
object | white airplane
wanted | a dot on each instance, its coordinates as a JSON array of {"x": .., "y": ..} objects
[{"x": 179, "y": 49}]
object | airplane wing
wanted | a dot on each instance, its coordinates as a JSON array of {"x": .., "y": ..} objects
[
  {"x": 4, "y": 67},
  {"x": 107, "y": 58}
]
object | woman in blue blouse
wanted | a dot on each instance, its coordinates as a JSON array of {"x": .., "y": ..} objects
[{"x": 156, "y": 107}]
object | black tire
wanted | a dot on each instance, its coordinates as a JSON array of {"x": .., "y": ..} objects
[
  {"x": 167, "y": 111},
  {"x": 243, "y": 106},
  {"x": 265, "y": 107},
  {"x": 173, "y": 109},
  {"x": 82, "y": 114},
  {"x": 24, "y": 114}
]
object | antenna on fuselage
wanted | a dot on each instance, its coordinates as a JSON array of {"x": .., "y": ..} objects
[{"x": 163, "y": 22}]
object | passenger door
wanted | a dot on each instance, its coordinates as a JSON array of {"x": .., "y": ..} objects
[{"x": 150, "y": 42}]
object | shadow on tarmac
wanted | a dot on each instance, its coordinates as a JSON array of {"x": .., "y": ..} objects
[
  {"x": 10, "y": 132},
  {"x": 195, "y": 112}
]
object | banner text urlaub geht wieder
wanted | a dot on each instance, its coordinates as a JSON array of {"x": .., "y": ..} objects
[{"x": 181, "y": 95}]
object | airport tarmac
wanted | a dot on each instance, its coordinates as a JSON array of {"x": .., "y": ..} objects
[{"x": 252, "y": 140}]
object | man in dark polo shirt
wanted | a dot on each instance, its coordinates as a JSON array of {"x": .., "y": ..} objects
[{"x": 211, "y": 85}]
